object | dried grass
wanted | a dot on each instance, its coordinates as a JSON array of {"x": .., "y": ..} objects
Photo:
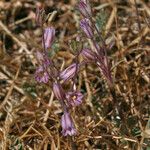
[{"x": 29, "y": 113}]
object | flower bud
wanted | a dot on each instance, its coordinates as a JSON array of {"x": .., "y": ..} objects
[
  {"x": 39, "y": 17},
  {"x": 58, "y": 91},
  {"x": 69, "y": 72},
  {"x": 84, "y": 8},
  {"x": 86, "y": 27},
  {"x": 88, "y": 54},
  {"x": 49, "y": 34},
  {"x": 67, "y": 124}
]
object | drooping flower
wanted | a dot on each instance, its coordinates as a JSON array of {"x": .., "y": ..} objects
[
  {"x": 41, "y": 75},
  {"x": 86, "y": 27},
  {"x": 69, "y": 72},
  {"x": 49, "y": 34},
  {"x": 88, "y": 54},
  {"x": 58, "y": 91},
  {"x": 67, "y": 124},
  {"x": 84, "y": 8},
  {"x": 74, "y": 98}
]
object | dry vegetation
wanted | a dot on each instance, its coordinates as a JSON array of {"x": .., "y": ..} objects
[{"x": 30, "y": 114}]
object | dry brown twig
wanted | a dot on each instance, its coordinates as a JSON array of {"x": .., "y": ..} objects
[
  {"x": 21, "y": 44},
  {"x": 10, "y": 90}
]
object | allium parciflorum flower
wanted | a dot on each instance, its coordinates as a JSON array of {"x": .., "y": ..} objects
[
  {"x": 49, "y": 34},
  {"x": 74, "y": 98},
  {"x": 67, "y": 124},
  {"x": 69, "y": 72}
]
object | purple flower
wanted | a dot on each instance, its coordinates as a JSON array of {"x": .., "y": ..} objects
[
  {"x": 88, "y": 54},
  {"x": 84, "y": 8},
  {"x": 67, "y": 124},
  {"x": 69, "y": 72},
  {"x": 58, "y": 91},
  {"x": 74, "y": 98},
  {"x": 49, "y": 34},
  {"x": 41, "y": 75},
  {"x": 86, "y": 27}
]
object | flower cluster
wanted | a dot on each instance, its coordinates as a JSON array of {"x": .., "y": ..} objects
[
  {"x": 47, "y": 73},
  {"x": 98, "y": 54}
]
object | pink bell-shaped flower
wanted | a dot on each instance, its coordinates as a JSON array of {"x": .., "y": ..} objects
[
  {"x": 67, "y": 124},
  {"x": 69, "y": 72},
  {"x": 49, "y": 34}
]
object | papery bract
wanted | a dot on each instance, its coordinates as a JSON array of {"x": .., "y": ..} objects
[{"x": 67, "y": 124}]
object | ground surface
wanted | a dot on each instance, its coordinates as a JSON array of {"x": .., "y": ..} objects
[{"x": 30, "y": 115}]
